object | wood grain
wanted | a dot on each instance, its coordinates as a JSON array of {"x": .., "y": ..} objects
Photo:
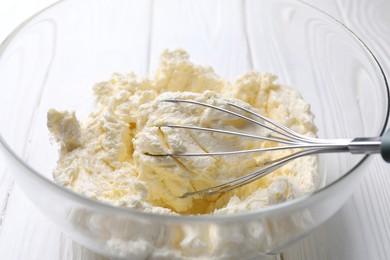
[{"x": 360, "y": 230}]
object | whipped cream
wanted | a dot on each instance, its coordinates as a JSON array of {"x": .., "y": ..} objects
[{"x": 104, "y": 156}]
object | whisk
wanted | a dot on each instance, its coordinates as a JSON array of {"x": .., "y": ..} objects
[{"x": 278, "y": 134}]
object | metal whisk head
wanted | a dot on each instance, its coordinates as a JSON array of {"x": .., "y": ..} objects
[{"x": 288, "y": 139}]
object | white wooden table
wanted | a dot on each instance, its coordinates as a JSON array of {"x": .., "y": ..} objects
[{"x": 360, "y": 230}]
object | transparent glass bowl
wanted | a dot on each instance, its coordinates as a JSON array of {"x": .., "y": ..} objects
[{"x": 53, "y": 59}]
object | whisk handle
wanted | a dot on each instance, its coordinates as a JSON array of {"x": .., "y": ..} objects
[{"x": 385, "y": 146}]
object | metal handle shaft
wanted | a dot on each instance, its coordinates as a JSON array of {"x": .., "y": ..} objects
[{"x": 369, "y": 145}]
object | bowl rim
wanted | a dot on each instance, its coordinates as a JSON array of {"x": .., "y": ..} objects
[{"x": 297, "y": 203}]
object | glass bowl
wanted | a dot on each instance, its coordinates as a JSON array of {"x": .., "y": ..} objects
[{"x": 53, "y": 59}]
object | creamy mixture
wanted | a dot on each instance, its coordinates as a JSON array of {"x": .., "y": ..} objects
[{"x": 105, "y": 156}]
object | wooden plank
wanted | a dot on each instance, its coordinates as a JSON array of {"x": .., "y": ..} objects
[
  {"x": 6, "y": 188},
  {"x": 212, "y": 34}
]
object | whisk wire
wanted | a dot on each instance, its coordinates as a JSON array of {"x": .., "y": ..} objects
[
  {"x": 290, "y": 139},
  {"x": 276, "y": 139},
  {"x": 287, "y": 133},
  {"x": 243, "y": 180}
]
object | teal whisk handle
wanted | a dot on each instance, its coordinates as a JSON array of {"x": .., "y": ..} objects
[{"x": 385, "y": 146}]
